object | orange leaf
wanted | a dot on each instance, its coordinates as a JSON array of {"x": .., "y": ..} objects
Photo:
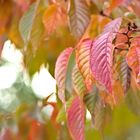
[
  {"x": 54, "y": 17},
  {"x": 133, "y": 58}
]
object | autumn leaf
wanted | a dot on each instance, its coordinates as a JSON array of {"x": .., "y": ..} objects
[
  {"x": 60, "y": 72},
  {"x": 79, "y": 16},
  {"x": 78, "y": 82},
  {"x": 90, "y": 101},
  {"x": 102, "y": 55},
  {"x": 133, "y": 59},
  {"x": 76, "y": 119},
  {"x": 55, "y": 16},
  {"x": 83, "y": 60},
  {"x": 124, "y": 73}
]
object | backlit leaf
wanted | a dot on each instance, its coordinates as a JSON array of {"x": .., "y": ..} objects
[
  {"x": 76, "y": 119},
  {"x": 61, "y": 70},
  {"x": 83, "y": 61},
  {"x": 79, "y": 17},
  {"x": 102, "y": 54}
]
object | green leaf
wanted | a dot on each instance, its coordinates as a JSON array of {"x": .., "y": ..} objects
[
  {"x": 26, "y": 22},
  {"x": 102, "y": 116},
  {"x": 61, "y": 115},
  {"x": 133, "y": 100},
  {"x": 68, "y": 81},
  {"x": 78, "y": 82},
  {"x": 91, "y": 99}
]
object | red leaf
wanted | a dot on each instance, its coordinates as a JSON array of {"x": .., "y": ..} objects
[
  {"x": 60, "y": 72},
  {"x": 133, "y": 58},
  {"x": 102, "y": 54},
  {"x": 82, "y": 58},
  {"x": 76, "y": 119}
]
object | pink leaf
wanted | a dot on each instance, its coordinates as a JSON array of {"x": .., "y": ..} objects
[
  {"x": 113, "y": 26},
  {"x": 76, "y": 119},
  {"x": 60, "y": 72},
  {"x": 102, "y": 54}
]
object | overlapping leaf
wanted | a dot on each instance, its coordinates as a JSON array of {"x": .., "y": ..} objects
[
  {"x": 133, "y": 58},
  {"x": 76, "y": 119},
  {"x": 78, "y": 82},
  {"x": 83, "y": 61},
  {"x": 102, "y": 54},
  {"x": 79, "y": 17},
  {"x": 54, "y": 16},
  {"x": 60, "y": 72}
]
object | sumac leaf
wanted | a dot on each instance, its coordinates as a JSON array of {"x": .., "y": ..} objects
[
  {"x": 79, "y": 17},
  {"x": 102, "y": 55},
  {"x": 61, "y": 70},
  {"x": 83, "y": 61},
  {"x": 76, "y": 119}
]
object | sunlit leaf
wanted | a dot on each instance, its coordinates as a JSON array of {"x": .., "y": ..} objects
[
  {"x": 60, "y": 72},
  {"x": 76, "y": 119},
  {"x": 79, "y": 17}
]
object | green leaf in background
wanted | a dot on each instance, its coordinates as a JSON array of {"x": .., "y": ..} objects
[
  {"x": 31, "y": 24},
  {"x": 133, "y": 101}
]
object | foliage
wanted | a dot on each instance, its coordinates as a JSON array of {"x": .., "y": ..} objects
[{"x": 93, "y": 50}]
